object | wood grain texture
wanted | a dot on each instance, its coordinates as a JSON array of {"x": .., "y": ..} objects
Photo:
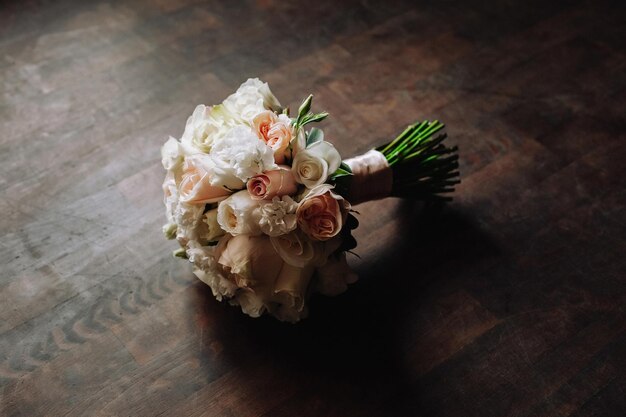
[{"x": 513, "y": 300}]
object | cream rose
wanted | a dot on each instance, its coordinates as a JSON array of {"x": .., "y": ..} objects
[
  {"x": 249, "y": 261},
  {"x": 313, "y": 165},
  {"x": 265, "y": 282},
  {"x": 207, "y": 125},
  {"x": 253, "y": 266},
  {"x": 296, "y": 249},
  {"x": 238, "y": 214},
  {"x": 290, "y": 289},
  {"x": 195, "y": 186},
  {"x": 270, "y": 184},
  {"x": 333, "y": 277},
  {"x": 275, "y": 131},
  {"x": 322, "y": 213}
]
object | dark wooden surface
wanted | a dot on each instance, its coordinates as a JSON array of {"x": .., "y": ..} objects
[{"x": 508, "y": 302}]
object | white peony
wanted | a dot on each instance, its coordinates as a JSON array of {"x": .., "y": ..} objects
[
  {"x": 313, "y": 165},
  {"x": 205, "y": 268},
  {"x": 170, "y": 196},
  {"x": 239, "y": 156},
  {"x": 238, "y": 214},
  {"x": 250, "y": 99},
  {"x": 172, "y": 154},
  {"x": 278, "y": 217},
  {"x": 206, "y": 126},
  {"x": 170, "y": 199},
  {"x": 188, "y": 218}
]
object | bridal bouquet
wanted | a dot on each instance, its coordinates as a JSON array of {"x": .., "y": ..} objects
[{"x": 260, "y": 202}]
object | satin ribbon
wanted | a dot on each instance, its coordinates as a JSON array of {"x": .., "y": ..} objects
[{"x": 372, "y": 177}]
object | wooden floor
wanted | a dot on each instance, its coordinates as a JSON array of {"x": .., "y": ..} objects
[{"x": 508, "y": 302}]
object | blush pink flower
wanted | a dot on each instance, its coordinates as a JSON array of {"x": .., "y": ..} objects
[
  {"x": 322, "y": 213},
  {"x": 195, "y": 186},
  {"x": 275, "y": 131},
  {"x": 270, "y": 184}
]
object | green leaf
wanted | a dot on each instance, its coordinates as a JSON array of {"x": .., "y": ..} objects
[
  {"x": 352, "y": 222},
  {"x": 305, "y": 106},
  {"x": 345, "y": 167},
  {"x": 312, "y": 117},
  {"x": 169, "y": 230},
  {"x": 340, "y": 173},
  {"x": 315, "y": 135}
]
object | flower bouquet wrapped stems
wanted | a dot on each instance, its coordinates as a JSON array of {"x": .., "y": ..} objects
[
  {"x": 415, "y": 165},
  {"x": 261, "y": 204}
]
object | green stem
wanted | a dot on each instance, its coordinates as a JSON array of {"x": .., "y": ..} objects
[{"x": 423, "y": 166}]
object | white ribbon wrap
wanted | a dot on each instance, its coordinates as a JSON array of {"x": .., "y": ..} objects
[{"x": 372, "y": 177}]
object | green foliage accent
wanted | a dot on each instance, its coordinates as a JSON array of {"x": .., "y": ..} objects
[
  {"x": 305, "y": 116},
  {"x": 314, "y": 135},
  {"x": 169, "y": 230},
  {"x": 339, "y": 173}
]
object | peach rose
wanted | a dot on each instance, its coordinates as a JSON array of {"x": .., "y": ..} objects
[
  {"x": 249, "y": 261},
  {"x": 195, "y": 187},
  {"x": 290, "y": 289},
  {"x": 296, "y": 249},
  {"x": 275, "y": 131},
  {"x": 321, "y": 213},
  {"x": 270, "y": 184},
  {"x": 264, "y": 281}
]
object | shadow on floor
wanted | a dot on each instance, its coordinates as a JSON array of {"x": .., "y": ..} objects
[{"x": 356, "y": 339}]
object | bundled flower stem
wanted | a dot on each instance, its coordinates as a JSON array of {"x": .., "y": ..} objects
[{"x": 423, "y": 167}]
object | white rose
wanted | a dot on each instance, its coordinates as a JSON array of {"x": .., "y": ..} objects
[
  {"x": 250, "y": 99},
  {"x": 171, "y": 154},
  {"x": 278, "y": 217},
  {"x": 239, "y": 156},
  {"x": 205, "y": 268},
  {"x": 296, "y": 249},
  {"x": 251, "y": 303},
  {"x": 214, "y": 229},
  {"x": 206, "y": 126},
  {"x": 334, "y": 276},
  {"x": 238, "y": 214},
  {"x": 313, "y": 165},
  {"x": 290, "y": 289}
]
